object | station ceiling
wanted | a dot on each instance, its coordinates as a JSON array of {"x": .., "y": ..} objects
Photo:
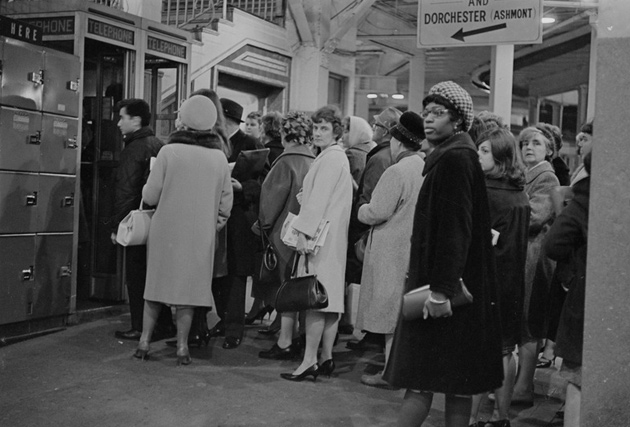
[{"x": 386, "y": 40}]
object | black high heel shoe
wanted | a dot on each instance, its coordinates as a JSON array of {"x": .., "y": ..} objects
[
  {"x": 313, "y": 371},
  {"x": 544, "y": 363},
  {"x": 327, "y": 367},
  {"x": 142, "y": 352},
  {"x": 259, "y": 316},
  {"x": 183, "y": 359}
]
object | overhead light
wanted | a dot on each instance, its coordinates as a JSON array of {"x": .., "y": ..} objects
[
  {"x": 548, "y": 20},
  {"x": 398, "y": 96},
  {"x": 372, "y": 95}
]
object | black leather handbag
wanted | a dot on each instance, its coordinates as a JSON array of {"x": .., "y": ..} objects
[
  {"x": 301, "y": 293},
  {"x": 269, "y": 274}
]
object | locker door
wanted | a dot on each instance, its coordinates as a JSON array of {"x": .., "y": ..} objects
[
  {"x": 22, "y": 75},
  {"x": 17, "y": 269},
  {"x": 59, "y": 145},
  {"x": 19, "y": 198},
  {"x": 53, "y": 263},
  {"x": 56, "y": 203},
  {"x": 61, "y": 83},
  {"x": 20, "y": 138}
]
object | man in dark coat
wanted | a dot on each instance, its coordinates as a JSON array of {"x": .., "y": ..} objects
[
  {"x": 131, "y": 175},
  {"x": 230, "y": 291}
]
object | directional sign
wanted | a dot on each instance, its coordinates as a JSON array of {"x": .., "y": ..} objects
[{"x": 450, "y": 23}]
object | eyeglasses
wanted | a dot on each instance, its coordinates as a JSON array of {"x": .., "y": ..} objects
[
  {"x": 436, "y": 112},
  {"x": 378, "y": 125}
]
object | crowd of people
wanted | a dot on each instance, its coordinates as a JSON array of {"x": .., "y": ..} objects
[{"x": 442, "y": 197}]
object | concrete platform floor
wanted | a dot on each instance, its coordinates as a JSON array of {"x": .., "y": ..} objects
[{"x": 83, "y": 376}]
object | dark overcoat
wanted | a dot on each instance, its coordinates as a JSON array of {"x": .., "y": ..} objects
[
  {"x": 277, "y": 199},
  {"x": 451, "y": 239},
  {"x": 242, "y": 243},
  {"x": 566, "y": 242},
  {"x": 509, "y": 213}
]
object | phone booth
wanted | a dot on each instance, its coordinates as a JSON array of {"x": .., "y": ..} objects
[{"x": 119, "y": 56}]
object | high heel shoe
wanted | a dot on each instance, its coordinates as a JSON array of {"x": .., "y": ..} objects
[
  {"x": 327, "y": 367},
  {"x": 142, "y": 352},
  {"x": 259, "y": 316},
  {"x": 183, "y": 359},
  {"x": 543, "y": 362},
  {"x": 313, "y": 371},
  {"x": 196, "y": 340}
]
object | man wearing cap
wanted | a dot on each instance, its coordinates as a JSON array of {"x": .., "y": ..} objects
[
  {"x": 378, "y": 159},
  {"x": 141, "y": 145},
  {"x": 230, "y": 291}
]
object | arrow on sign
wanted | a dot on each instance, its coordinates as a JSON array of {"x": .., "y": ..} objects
[{"x": 461, "y": 33}]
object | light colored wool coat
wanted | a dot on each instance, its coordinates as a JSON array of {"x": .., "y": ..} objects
[
  {"x": 192, "y": 190},
  {"x": 327, "y": 194},
  {"x": 390, "y": 213}
]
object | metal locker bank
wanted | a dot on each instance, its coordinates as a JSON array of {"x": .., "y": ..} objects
[{"x": 39, "y": 107}]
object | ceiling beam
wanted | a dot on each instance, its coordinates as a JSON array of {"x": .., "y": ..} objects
[
  {"x": 357, "y": 13},
  {"x": 397, "y": 37},
  {"x": 301, "y": 23}
]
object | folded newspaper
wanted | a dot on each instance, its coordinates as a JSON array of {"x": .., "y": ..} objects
[{"x": 313, "y": 243}]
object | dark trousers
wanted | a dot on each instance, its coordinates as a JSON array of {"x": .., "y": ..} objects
[
  {"x": 136, "y": 276},
  {"x": 229, "y": 294}
]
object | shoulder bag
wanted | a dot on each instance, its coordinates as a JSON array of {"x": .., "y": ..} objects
[
  {"x": 133, "y": 230},
  {"x": 269, "y": 272},
  {"x": 301, "y": 293}
]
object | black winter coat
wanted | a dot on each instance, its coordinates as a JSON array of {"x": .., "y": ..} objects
[
  {"x": 132, "y": 172},
  {"x": 242, "y": 243},
  {"x": 566, "y": 242},
  {"x": 451, "y": 239},
  {"x": 509, "y": 213}
]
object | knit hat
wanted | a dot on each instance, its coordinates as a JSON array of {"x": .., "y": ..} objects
[
  {"x": 198, "y": 113},
  {"x": 410, "y": 129},
  {"x": 457, "y": 96}
]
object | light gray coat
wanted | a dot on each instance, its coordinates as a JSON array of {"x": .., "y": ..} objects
[{"x": 390, "y": 213}]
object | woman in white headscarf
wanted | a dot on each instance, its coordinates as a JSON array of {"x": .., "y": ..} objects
[{"x": 357, "y": 140}]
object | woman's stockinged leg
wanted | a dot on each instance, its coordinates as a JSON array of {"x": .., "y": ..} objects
[
  {"x": 504, "y": 393},
  {"x": 315, "y": 322},
  {"x": 286, "y": 329},
  {"x": 331, "y": 326},
  {"x": 415, "y": 408},
  {"x": 527, "y": 358},
  {"x": 457, "y": 410},
  {"x": 149, "y": 318},
  {"x": 183, "y": 318}
]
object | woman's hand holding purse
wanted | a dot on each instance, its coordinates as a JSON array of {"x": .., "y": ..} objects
[
  {"x": 302, "y": 243},
  {"x": 437, "y": 305}
]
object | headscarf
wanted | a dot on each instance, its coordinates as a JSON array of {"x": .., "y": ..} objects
[{"x": 360, "y": 131}]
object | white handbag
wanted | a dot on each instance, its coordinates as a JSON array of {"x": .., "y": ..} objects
[{"x": 133, "y": 230}]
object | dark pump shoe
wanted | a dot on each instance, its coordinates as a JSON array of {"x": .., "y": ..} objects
[
  {"x": 277, "y": 353},
  {"x": 218, "y": 330},
  {"x": 231, "y": 342},
  {"x": 131, "y": 334}
]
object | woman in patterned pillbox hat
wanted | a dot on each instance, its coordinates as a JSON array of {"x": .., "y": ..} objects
[{"x": 454, "y": 351}]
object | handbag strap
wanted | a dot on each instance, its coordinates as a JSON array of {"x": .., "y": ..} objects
[{"x": 296, "y": 259}]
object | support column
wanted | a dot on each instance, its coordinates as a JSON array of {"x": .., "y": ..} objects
[
  {"x": 416, "y": 82},
  {"x": 606, "y": 377},
  {"x": 309, "y": 79},
  {"x": 501, "y": 70},
  {"x": 592, "y": 70}
]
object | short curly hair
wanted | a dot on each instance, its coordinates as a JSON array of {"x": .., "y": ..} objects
[
  {"x": 272, "y": 124},
  {"x": 297, "y": 127},
  {"x": 332, "y": 115}
]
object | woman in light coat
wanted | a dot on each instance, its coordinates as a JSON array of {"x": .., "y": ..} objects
[
  {"x": 537, "y": 149},
  {"x": 390, "y": 213},
  {"x": 190, "y": 185},
  {"x": 326, "y": 194}
]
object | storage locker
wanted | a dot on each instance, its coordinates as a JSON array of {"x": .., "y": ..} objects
[
  {"x": 55, "y": 203},
  {"x": 61, "y": 83},
  {"x": 22, "y": 75},
  {"x": 53, "y": 264},
  {"x": 18, "y": 271},
  {"x": 19, "y": 198},
  {"x": 59, "y": 144},
  {"x": 20, "y": 139}
]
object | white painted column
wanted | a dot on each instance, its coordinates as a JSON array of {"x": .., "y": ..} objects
[
  {"x": 416, "y": 82},
  {"x": 309, "y": 79},
  {"x": 592, "y": 70},
  {"x": 501, "y": 71}
]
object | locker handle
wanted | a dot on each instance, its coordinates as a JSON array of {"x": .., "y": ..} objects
[
  {"x": 31, "y": 199},
  {"x": 36, "y": 138},
  {"x": 73, "y": 85},
  {"x": 65, "y": 271},
  {"x": 68, "y": 201},
  {"x": 28, "y": 274},
  {"x": 71, "y": 143},
  {"x": 36, "y": 77}
]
